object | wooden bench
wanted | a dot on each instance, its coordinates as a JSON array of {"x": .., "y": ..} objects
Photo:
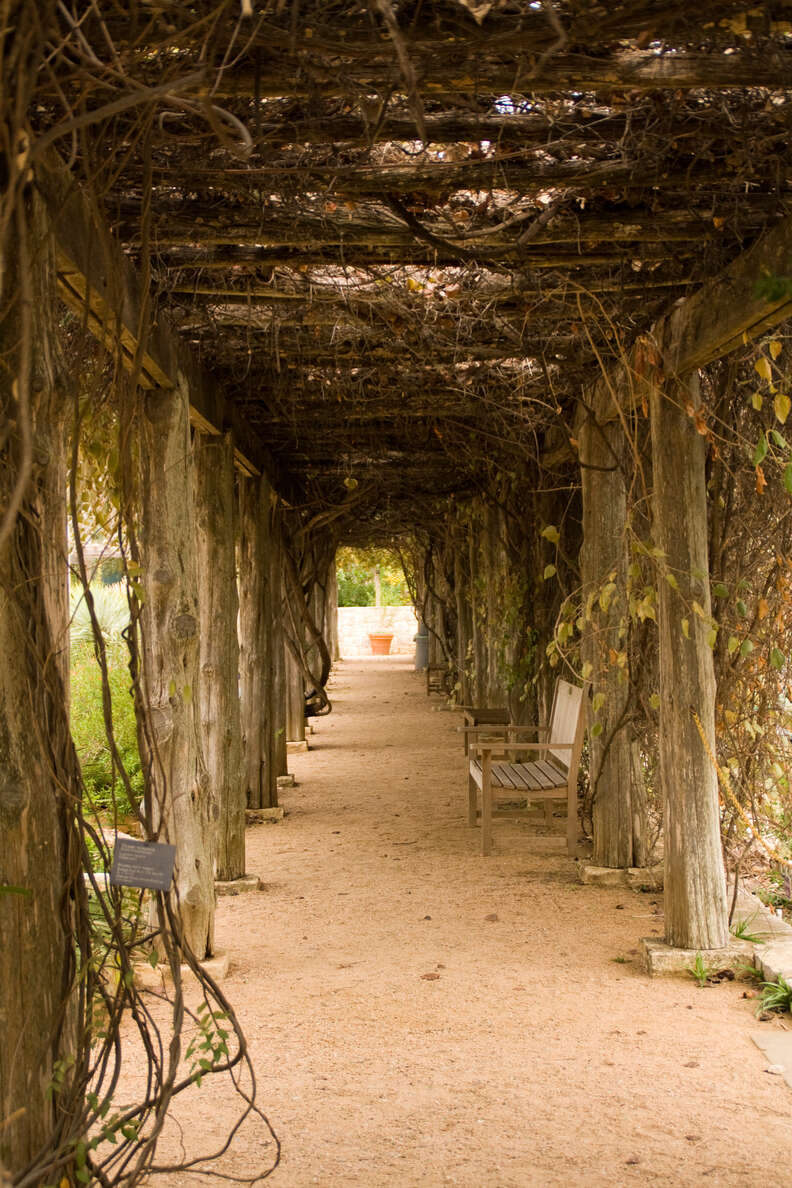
[
  {"x": 483, "y": 715},
  {"x": 436, "y": 678},
  {"x": 494, "y": 767}
]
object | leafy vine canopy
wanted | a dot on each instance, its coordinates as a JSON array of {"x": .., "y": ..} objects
[{"x": 403, "y": 237}]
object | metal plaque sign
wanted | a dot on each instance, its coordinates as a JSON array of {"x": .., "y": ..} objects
[{"x": 142, "y": 864}]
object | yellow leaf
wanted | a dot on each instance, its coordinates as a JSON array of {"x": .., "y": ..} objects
[
  {"x": 775, "y": 348},
  {"x": 756, "y": 400},
  {"x": 782, "y": 405},
  {"x": 686, "y": 628},
  {"x": 763, "y": 367}
]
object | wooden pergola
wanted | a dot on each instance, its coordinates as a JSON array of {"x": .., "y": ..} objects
[{"x": 373, "y": 273}]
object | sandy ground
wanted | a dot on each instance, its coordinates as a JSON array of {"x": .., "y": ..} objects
[{"x": 419, "y": 1015}]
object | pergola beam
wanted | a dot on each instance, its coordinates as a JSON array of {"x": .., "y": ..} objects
[
  {"x": 727, "y": 312},
  {"x": 515, "y": 72},
  {"x": 99, "y": 284}
]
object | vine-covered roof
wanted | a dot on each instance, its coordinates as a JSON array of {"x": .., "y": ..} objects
[{"x": 404, "y": 236}]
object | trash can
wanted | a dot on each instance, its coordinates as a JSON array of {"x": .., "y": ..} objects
[{"x": 421, "y": 648}]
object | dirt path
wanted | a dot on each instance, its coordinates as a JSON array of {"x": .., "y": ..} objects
[{"x": 528, "y": 1056}]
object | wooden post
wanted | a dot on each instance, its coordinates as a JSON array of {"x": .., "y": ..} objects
[
  {"x": 255, "y": 638},
  {"x": 477, "y": 571},
  {"x": 182, "y": 806},
  {"x": 221, "y": 725},
  {"x": 619, "y": 805},
  {"x": 38, "y": 786},
  {"x": 277, "y": 698},
  {"x": 695, "y": 886},
  {"x": 462, "y": 594},
  {"x": 295, "y": 701},
  {"x": 331, "y": 612}
]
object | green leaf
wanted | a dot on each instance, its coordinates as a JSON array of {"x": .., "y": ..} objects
[
  {"x": 686, "y": 628},
  {"x": 742, "y": 609},
  {"x": 779, "y": 439},
  {"x": 746, "y": 648},
  {"x": 712, "y": 636},
  {"x": 549, "y": 571},
  {"x": 596, "y": 730},
  {"x": 654, "y": 701},
  {"x": 760, "y": 453},
  {"x": 777, "y": 659},
  {"x": 551, "y": 533},
  {"x": 720, "y": 591},
  {"x": 733, "y": 644},
  {"x": 597, "y": 702},
  {"x": 671, "y": 579},
  {"x": 788, "y": 478},
  {"x": 587, "y": 670}
]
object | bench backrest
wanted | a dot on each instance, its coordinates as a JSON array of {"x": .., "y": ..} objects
[{"x": 566, "y": 722}]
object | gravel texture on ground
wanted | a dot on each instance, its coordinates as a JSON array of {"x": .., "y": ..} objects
[{"x": 421, "y": 1016}]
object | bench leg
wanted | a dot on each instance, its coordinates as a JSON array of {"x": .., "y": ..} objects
[
  {"x": 548, "y": 812},
  {"x": 572, "y": 823},
  {"x": 472, "y": 798},
  {"x": 486, "y": 817}
]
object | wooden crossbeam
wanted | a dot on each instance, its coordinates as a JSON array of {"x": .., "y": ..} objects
[
  {"x": 727, "y": 312},
  {"x": 520, "y": 74},
  {"x": 98, "y": 283}
]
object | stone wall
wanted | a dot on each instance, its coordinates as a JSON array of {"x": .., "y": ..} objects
[{"x": 355, "y": 622}]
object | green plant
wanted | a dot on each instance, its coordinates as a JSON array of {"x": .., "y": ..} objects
[
  {"x": 742, "y": 931},
  {"x": 701, "y": 970},
  {"x": 103, "y": 785},
  {"x": 775, "y": 996},
  {"x": 619, "y": 960},
  {"x": 110, "y": 607}
]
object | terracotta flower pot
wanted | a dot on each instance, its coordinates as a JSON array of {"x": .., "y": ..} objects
[{"x": 380, "y": 642}]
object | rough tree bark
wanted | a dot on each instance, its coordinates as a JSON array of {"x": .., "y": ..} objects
[
  {"x": 255, "y": 639},
  {"x": 695, "y": 885},
  {"x": 181, "y": 798},
  {"x": 477, "y": 586},
  {"x": 331, "y": 612},
  {"x": 221, "y": 727},
  {"x": 619, "y": 804},
  {"x": 278, "y": 696},
  {"x": 39, "y": 872},
  {"x": 464, "y": 614},
  {"x": 295, "y": 701}
]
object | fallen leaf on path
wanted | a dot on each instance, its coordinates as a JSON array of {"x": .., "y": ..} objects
[
  {"x": 430, "y": 977},
  {"x": 492, "y": 918}
]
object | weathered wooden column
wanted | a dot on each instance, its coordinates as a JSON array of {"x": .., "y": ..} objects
[
  {"x": 218, "y": 604},
  {"x": 331, "y": 612},
  {"x": 619, "y": 806},
  {"x": 278, "y": 692},
  {"x": 182, "y": 804},
  {"x": 38, "y": 787},
  {"x": 464, "y": 611},
  {"x": 295, "y": 700},
  {"x": 255, "y": 639},
  {"x": 695, "y": 886},
  {"x": 477, "y": 603}
]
